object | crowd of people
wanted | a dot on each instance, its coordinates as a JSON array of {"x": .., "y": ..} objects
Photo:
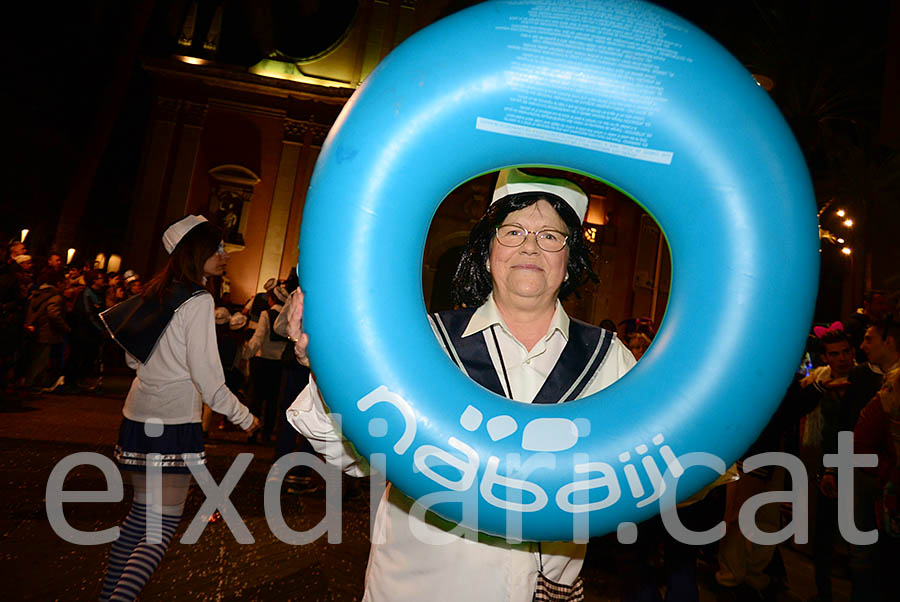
[
  {"x": 51, "y": 338},
  {"x": 216, "y": 360}
]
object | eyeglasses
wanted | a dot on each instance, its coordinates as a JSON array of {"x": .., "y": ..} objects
[{"x": 548, "y": 240}]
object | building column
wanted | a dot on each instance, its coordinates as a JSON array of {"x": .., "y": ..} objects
[
  {"x": 192, "y": 117},
  {"x": 169, "y": 157},
  {"x": 313, "y": 135},
  {"x": 276, "y": 229},
  {"x": 149, "y": 193}
]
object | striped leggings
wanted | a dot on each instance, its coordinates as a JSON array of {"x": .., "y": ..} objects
[{"x": 143, "y": 537}]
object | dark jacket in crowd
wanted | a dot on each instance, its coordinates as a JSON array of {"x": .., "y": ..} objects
[
  {"x": 85, "y": 320},
  {"x": 46, "y": 313}
]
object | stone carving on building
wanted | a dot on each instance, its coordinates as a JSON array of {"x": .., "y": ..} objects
[
  {"x": 230, "y": 192},
  {"x": 295, "y": 130}
]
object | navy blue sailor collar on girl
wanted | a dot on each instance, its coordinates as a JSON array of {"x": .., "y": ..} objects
[{"x": 137, "y": 324}]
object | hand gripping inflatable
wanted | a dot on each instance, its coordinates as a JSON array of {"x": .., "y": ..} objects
[{"x": 627, "y": 93}]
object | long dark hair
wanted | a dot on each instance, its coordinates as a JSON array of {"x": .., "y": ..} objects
[
  {"x": 472, "y": 283},
  {"x": 186, "y": 262}
]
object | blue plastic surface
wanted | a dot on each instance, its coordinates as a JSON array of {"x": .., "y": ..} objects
[{"x": 625, "y": 92}]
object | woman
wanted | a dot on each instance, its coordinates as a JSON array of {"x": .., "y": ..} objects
[
  {"x": 638, "y": 342},
  {"x": 264, "y": 351},
  {"x": 114, "y": 290},
  {"x": 169, "y": 337},
  {"x": 46, "y": 323},
  {"x": 525, "y": 253}
]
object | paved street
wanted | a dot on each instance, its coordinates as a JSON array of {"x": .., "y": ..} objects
[{"x": 38, "y": 565}]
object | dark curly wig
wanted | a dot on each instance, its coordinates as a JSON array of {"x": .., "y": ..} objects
[{"x": 472, "y": 283}]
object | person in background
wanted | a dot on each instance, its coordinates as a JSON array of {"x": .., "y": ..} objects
[
  {"x": 258, "y": 303},
  {"x": 629, "y": 326},
  {"x": 880, "y": 344},
  {"x": 236, "y": 334},
  {"x": 87, "y": 331},
  {"x": 13, "y": 303},
  {"x": 878, "y": 432},
  {"x": 16, "y": 248},
  {"x": 264, "y": 350},
  {"x": 47, "y": 325},
  {"x": 115, "y": 291},
  {"x": 132, "y": 283},
  {"x": 73, "y": 285},
  {"x": 638, "y": 342},
  {"x": 55, "y": 261},
  {"x": 822, "y": 391},
  {"x": 295, "y": 377},
  {"x": 25, "y": 274},
  {"x": 608, "y": 324},
  {"x": 876, "y": 306},
  {"x": 168, "y": 334},
  {"x": 25, "y": 262},
  {"x": 237, "y": 329}
]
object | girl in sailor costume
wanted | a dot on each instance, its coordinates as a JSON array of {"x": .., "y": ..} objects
[
  {"x": 513, "y": 337},
  {"x": 168, "y": 334}
]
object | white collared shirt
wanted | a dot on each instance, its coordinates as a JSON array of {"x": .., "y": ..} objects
[{"x": 528, "y": 369}]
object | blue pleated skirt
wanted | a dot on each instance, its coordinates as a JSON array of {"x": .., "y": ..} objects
[{"x": 176, "y": 448}]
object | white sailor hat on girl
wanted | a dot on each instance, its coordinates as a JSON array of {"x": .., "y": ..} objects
[
  {"x": 174, "y": 233},
  {"x": 513, "y": 181}
]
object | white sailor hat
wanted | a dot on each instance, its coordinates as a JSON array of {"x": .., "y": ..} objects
[
  {"x": 174, "y": 233},
  {"x": 280, "y": 293},
  {"x": 513, "y": 181},
  {"x": 238, "y": 321},
  {"x": 222, "y": 315}
]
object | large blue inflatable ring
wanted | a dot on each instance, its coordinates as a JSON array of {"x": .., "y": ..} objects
[{"x": 624, "y": 92}]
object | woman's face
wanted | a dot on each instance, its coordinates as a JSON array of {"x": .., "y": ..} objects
[
  {"x": 215, "y": 265},
  {"x": 638, "y": 344},
  {"x": 527, "y": 273}
]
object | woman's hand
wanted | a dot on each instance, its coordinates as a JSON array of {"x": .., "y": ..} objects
[
  {"x": 295, "y": 327},
  {"x": 254, "y": 426}
]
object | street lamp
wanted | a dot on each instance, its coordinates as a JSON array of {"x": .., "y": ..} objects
[
  {"x": 846, "y": 251},
  {"x": 848, "y": 222}
]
